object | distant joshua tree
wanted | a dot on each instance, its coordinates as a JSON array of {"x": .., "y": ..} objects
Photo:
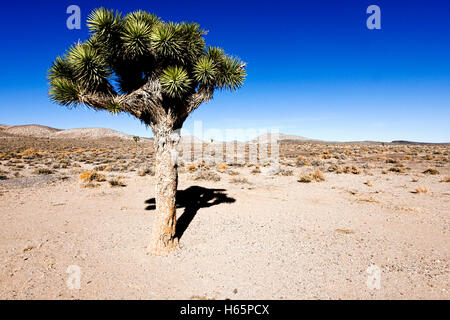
[
  {"x": 157, "y": 71},
  {"x": 136, "y": 139}
]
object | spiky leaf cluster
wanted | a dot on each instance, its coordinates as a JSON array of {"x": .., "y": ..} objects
[{"x": 124, "y": 52}]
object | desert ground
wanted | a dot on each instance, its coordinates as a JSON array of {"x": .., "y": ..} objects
[{"x": 311, "y": 227}]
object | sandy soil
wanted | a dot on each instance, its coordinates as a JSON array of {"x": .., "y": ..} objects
[
  {"x": 247, "y": 231},
  {"x": 274, "y": 238}
]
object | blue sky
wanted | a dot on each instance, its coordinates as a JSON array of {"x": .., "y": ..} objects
[{"x": 314, "y": 69}]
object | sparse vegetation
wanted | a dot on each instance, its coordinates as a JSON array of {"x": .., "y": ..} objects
[
  {"x": 345, "y": 231},
  {"x": 146, "y": 171},
  {"x": 90, "y": 176},
  {"x": 43, "y": 171},
  {"x": 397, "y": 169},
  {"x": 116, "y": 182},
  {"x": 206, "y": 175},
  {"x": 316, "y": 175},
  {"x": 286, "y": 172},
  {"x": 305, "y": 178},
  {"x": 222, "y": 166},
  {"x": 240, "y": 181},
  {"x": 352, "y": 169},
  {"x": 431, "y": 171},
  {"x": 420, "y": 190}
]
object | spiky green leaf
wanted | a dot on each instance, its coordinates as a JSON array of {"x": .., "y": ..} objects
[
  {"x": 194, "y": 44},
  {"x": 142, "y": 16},
  {"x": 205, "y": 70},
  {"x": 60, "y": 68},
  {"x": 175, "y": 81},
  {"x": 104, "y": 22},
  {"x": 64, "y": 92},
  {"x": 215, "y": 53},
  {"x": 166, "y": 41},
  {"x": 89, "y": 66},
  {"x": 231, "y": 74},
  {"x": 114, "y": 108},
  {"x": 136, "y": 38}
]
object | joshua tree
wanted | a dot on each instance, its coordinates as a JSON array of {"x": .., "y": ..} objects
[
  {"x": 136, "y": 139},
  {"x": 157, "y": 71}
]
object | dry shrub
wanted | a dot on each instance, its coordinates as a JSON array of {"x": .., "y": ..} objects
[
  {"x": 255, "y": 171},
  {"x": 421, "y": 190},
  {"x": 91, "y": 185},
  {"x": 100, "y": 168},
  {"x": 429, "y": 157},
  {"x": 335, "y": 168},
  {"x": 240, "y": 181},
  {"x": 369, "y": 200},
  {"x": 352, "y": 169},
  {"x": 232, "y": 173},
  {"x": 206, "y": 175},
  {"x": 90, "y": 176},
  {"x": 116, "y": 182},
  {"x": 316, "y": 175},
  {"x": 446, "y": 179},
  {"x": 222, "y": 166},
  {"x": 397, "y": 169},
  {"x": 368, "y": 183},
  {"x": 431, "y": 171},
  {"x": 345, "y": 231},
  {"x": 43, "y": 171},
  {"x": 31, "y": 152},
  {"x": 414, "y": 180},
  {"x": 146, "y": 171},
  {"x": 305, "y": 178},
  {"x": 191, "y": 168},
  {"x": 286, "y": 173},
  {"x": 301, "y": 161}
]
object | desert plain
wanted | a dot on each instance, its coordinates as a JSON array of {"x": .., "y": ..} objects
[{"x": 361, "y": 220}]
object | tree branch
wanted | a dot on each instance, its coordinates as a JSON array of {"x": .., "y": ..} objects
[
  {"x": 203, "y": 94},
  {"x": 100, "y": 101},
  {"x": 144, "y": 103}
]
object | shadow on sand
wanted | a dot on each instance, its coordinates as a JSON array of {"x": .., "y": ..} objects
[{"x": 193, "y": 199}]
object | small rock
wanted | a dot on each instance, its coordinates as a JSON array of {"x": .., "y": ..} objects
[{"x": 28, "y": 248}]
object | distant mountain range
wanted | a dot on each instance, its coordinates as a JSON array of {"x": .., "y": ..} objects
[
  {"x": 39, "y": 131},
  {"x": 267, "y": 137}
]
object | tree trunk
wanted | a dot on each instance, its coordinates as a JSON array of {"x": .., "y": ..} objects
[{"x": 163, "y": 238}]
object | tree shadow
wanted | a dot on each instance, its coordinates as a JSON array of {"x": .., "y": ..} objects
[{"x": 193, "y": 199}]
